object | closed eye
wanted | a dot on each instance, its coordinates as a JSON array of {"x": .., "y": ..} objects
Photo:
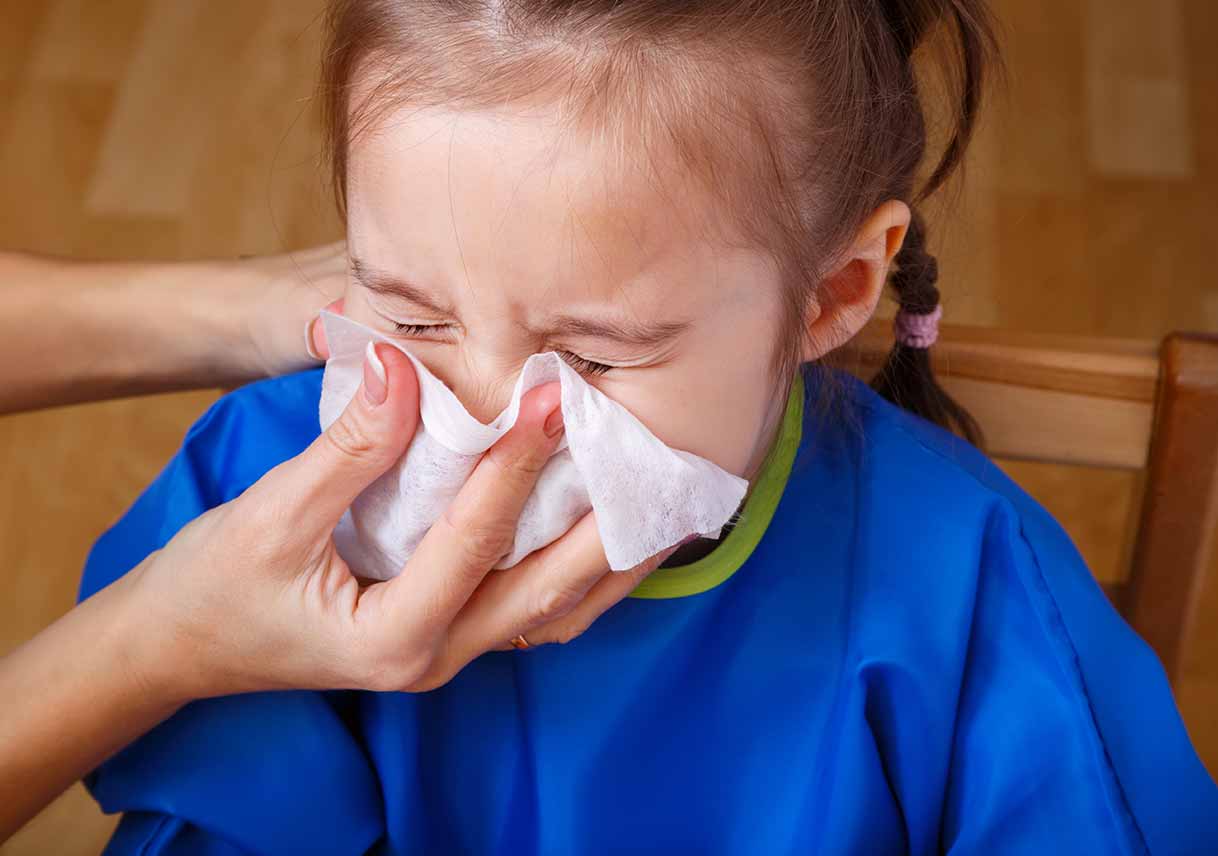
[
  {"x": 584, "y": 366},
  {"x": 580, "y": 364},
  {"x": 416, "y": 329}
]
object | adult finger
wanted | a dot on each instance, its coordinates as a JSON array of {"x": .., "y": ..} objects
[
  {"x": 604, "y": 594},
  {"x": 315, "y": 332},
  {"x": 544, "y": 587},
  {"x": 479, "y": 525},
  {"x": 370, "y": 435}
]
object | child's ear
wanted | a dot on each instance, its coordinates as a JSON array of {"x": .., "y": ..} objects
[{"x": 848, "y": 296}]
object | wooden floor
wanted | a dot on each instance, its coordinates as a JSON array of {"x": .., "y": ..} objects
[{"x": 175, "y": 128}]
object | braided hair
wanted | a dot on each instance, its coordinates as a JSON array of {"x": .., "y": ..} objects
[{"x": 907, "y": 378}]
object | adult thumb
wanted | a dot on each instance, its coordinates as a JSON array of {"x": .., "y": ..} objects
[{"x": 370, "y": 435}]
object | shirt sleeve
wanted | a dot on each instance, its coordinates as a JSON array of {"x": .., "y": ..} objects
[{"x": 1067, "y": 737}]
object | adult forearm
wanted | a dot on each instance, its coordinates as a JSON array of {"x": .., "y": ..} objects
[
  {"x": 72, "y": 696},
  {"x": 75, "y": 331}
]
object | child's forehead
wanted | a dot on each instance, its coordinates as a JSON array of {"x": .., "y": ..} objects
[{"x": 529, "y": 166}]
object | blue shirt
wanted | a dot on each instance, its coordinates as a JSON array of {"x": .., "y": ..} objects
[{"x": 902, "y": 653}]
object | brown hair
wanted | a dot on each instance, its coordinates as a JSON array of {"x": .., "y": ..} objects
[{"x": 825, "y": 90}]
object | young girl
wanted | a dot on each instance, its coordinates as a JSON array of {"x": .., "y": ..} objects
[{"x": 894, "y": 650}]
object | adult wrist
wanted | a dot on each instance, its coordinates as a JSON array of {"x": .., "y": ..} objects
[
  {"x": 148, "y": 646},
  {"x": 222, "y": 297},
  {"x": 163, "y": 325}
]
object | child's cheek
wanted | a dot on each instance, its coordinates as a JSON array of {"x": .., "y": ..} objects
[{"x": 692, "y": 417}]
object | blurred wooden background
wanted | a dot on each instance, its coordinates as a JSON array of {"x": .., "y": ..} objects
[{"x": 181, "y": 128}]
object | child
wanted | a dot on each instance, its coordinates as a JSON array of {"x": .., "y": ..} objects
[{"x": 895, "y": 649}]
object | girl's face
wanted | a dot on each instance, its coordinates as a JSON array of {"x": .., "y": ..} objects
[{"x": 478, "y": 239}]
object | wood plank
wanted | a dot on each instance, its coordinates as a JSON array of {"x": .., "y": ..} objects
[
  {"x": 178, "y": 82},
  {"x": 52, "y": 132},
  {"x": 1179, "y": 527},
  {"x": 1039, "y": 397},
  {"x": 1032, "y": 424},
  {"x": 1125, "y": 369},
  {"x": 84, "y": 40},
  {"x": 1138, "y": 113}
]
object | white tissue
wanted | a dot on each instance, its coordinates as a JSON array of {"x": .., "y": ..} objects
[{"x": 646, "y": 496}]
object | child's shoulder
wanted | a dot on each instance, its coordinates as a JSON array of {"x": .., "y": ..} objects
[
  {"x": 254, "y": 428},
  {"x": 285, "y": 404},
  {"x": 908, "y": 446},
  {"x": 935, "y": 518},
  {"x": 948, "y": 541},
  {"x": 929, "y": 472}
]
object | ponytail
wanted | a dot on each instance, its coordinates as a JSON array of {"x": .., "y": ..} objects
[
  {"x": 907, "y": 378},
  {"x": 972, "y": 53}
]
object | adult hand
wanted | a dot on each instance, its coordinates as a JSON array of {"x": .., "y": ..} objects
[
  {"x": 253, "y": 594},
  {"x": 287, "y": 291}
]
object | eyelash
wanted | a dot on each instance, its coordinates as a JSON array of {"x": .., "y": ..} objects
[
  {"x": 414, "y": 329},
  {"x": 581, "y": 365},
  {"x": 584, "y": 366}
]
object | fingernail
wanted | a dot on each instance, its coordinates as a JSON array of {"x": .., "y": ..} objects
[
  {"x": 553, "y": 422},
  {"x": 376, "y": 390},
  {"x": 308, "y": 337}
]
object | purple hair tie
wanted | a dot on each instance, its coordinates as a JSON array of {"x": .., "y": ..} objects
[{"x": 918, "y": 331}]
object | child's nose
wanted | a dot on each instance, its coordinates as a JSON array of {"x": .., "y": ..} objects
[
  {"x": 485, "y": 394},
  {"x": 483, "y": 376},
  {"x": 482, "y": 409}
]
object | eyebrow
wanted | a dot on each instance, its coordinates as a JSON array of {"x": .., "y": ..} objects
[
  {"x": 640, "y": 333},
  {"x": 629, "y": 332},
  {"x": 380, "y": 282}
]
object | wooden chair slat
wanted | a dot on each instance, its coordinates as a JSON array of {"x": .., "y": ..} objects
[{"x": 1179, "y": 528}]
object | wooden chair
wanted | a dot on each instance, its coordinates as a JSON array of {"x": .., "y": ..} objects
[{"x": 1105, "y": 403}]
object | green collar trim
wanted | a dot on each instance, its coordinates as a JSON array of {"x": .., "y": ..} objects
[{"x": 716, "y": 567}]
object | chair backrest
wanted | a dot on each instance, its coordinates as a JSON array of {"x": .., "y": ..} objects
[{"x": 1114, "y": 403}]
